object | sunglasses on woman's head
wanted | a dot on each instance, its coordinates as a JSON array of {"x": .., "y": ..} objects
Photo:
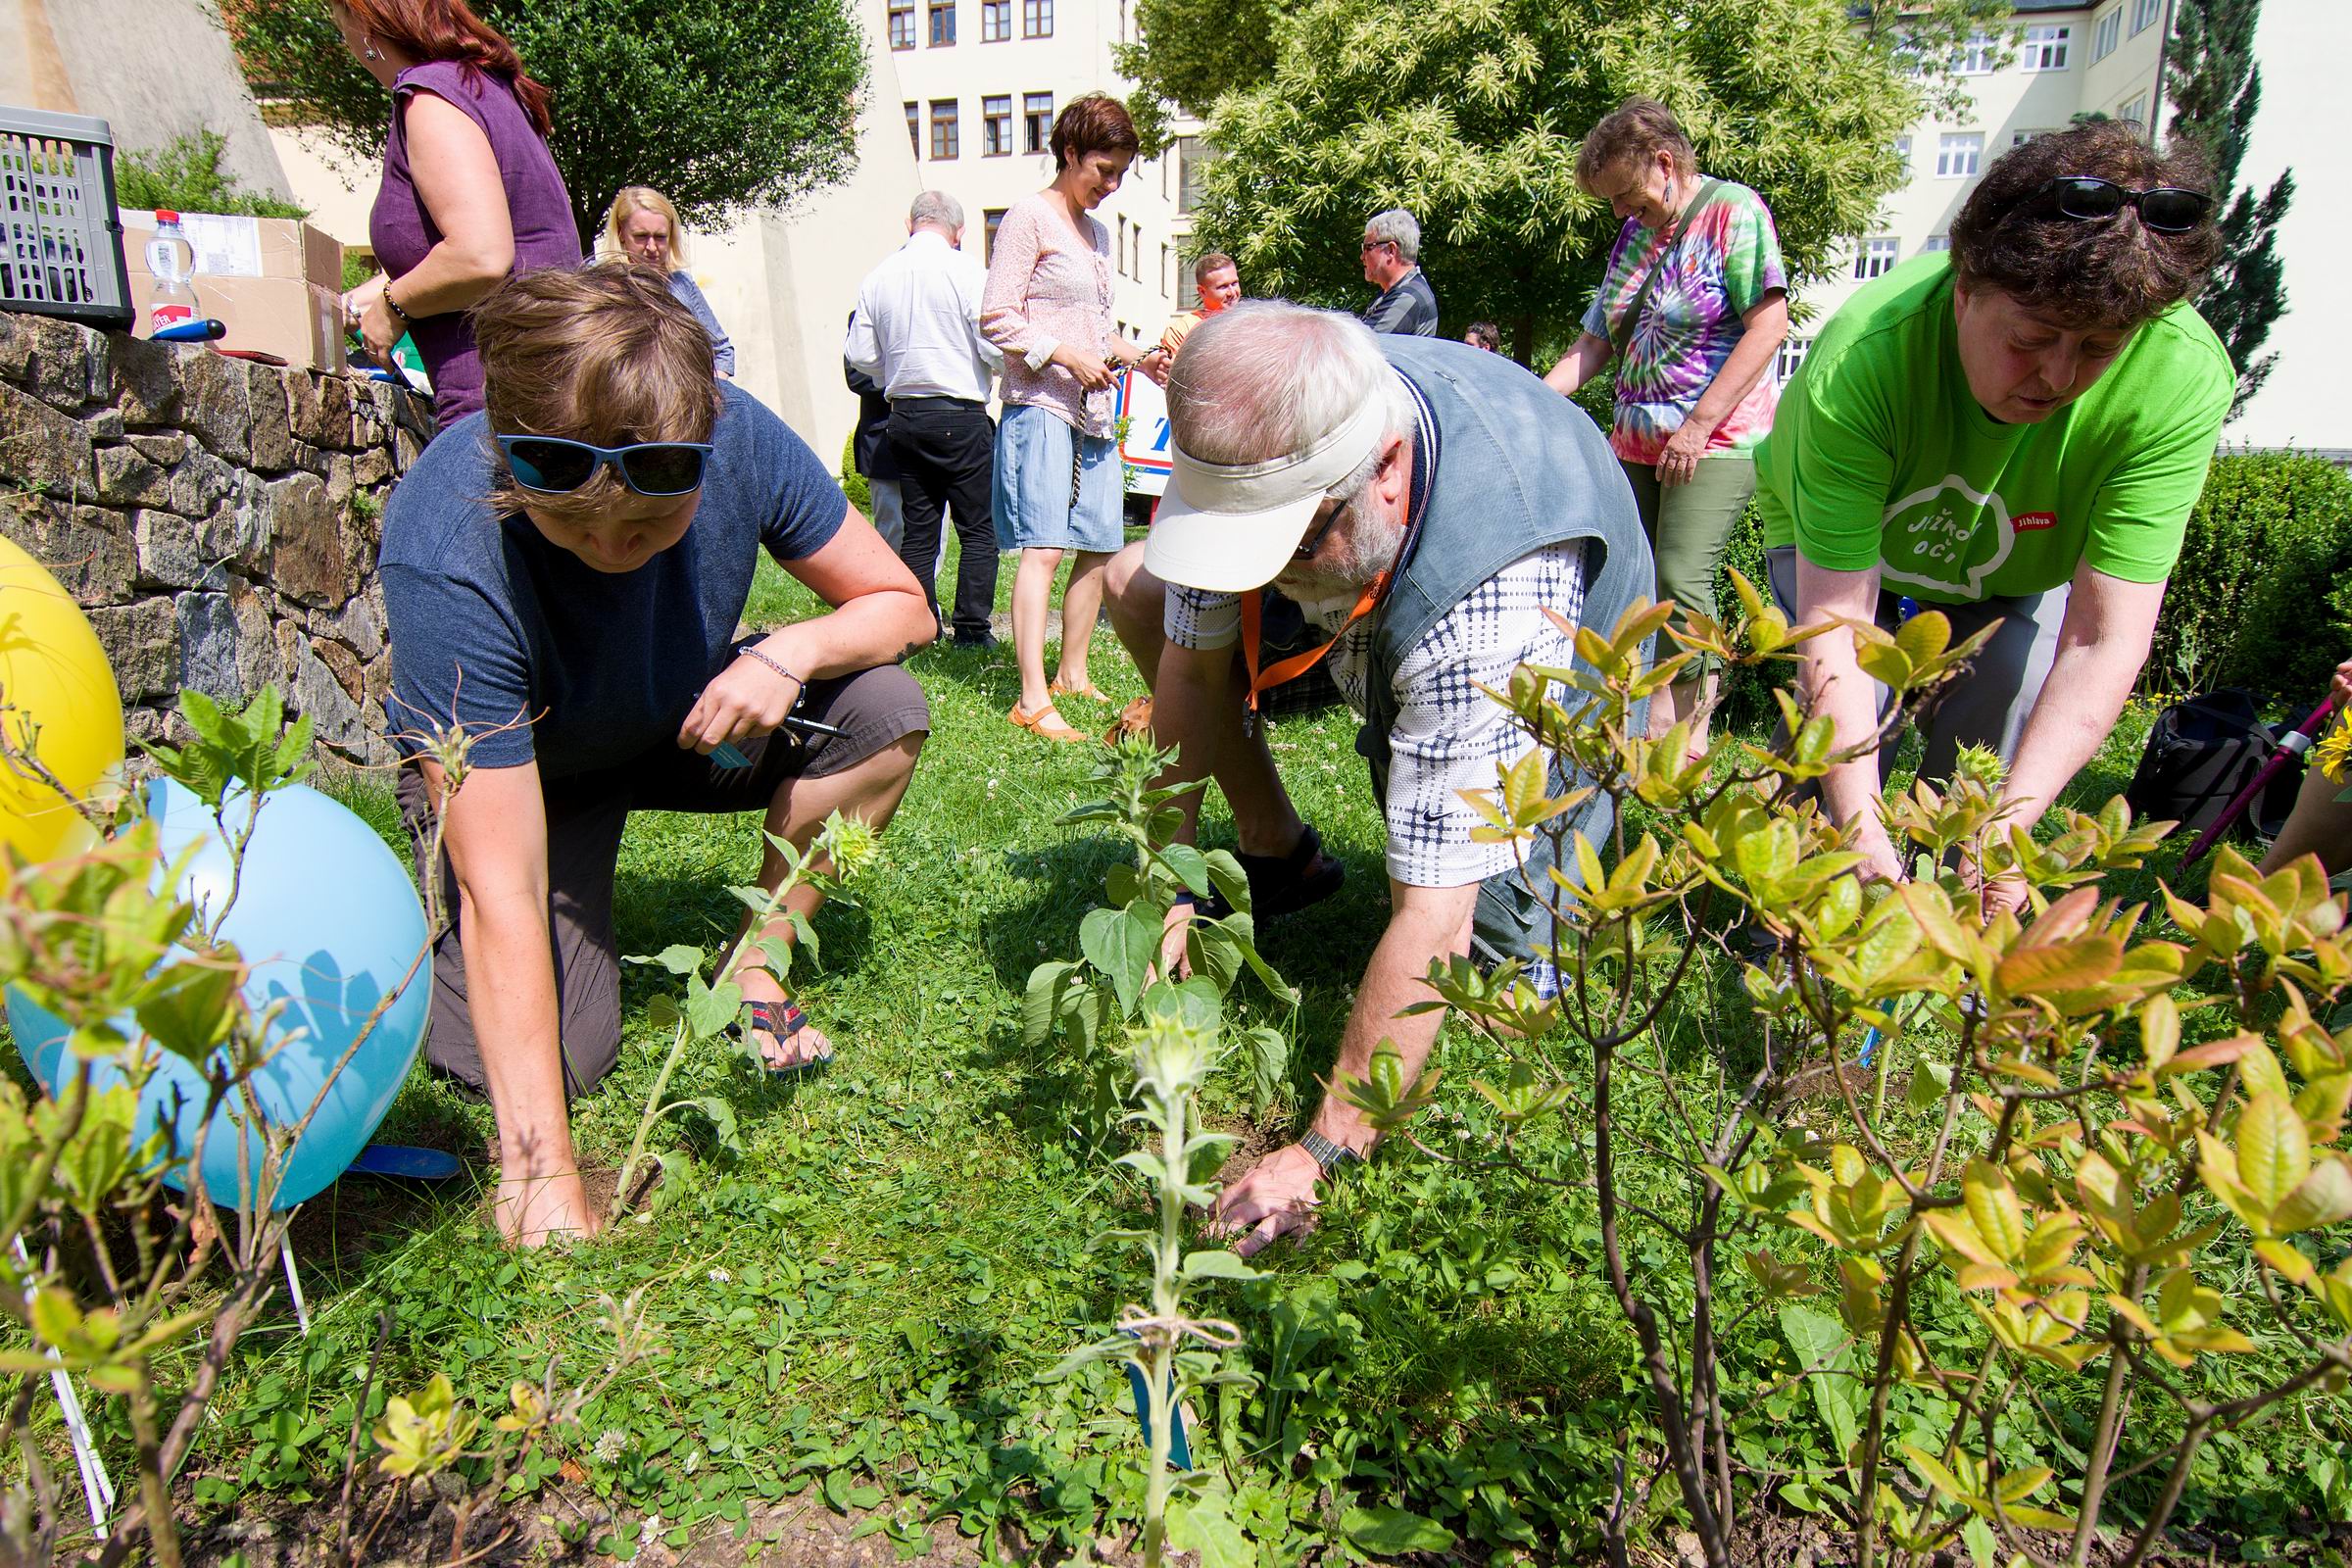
[
  {"x": 551, "y": 465},
  {"x": 2166, "y": 209}
]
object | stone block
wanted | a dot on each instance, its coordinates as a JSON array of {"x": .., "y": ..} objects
[
  {"x": 15, "y": 346},
  {"x": 172, "y": 554},
  {"x": 41, "y": 449},
  {"x": 302, "y": 405},
  {"x": 333, "y": 712},
  {"x": 127, "y": 477},
  {"x": 312, "y": 560},
  {"x": 226, "y": 646},
  {"x": 344, "y": 663},
  {"x": 273, "y": 431},
  {"x": 217, "y": 403},
  {"x": 339, "y": 485},
  {"x": 164, "y": 450},
  {"x": 199, "y": 482},
  {"x": 143, "y": 377},
  {"x": 142, "y": 641},
  {"x": 360, "y": 624},
  {"x": 68, "y": 364},
  {"x": 334, "y": 414},
  {"x": 86, "y": 549},
  {"x": 106, "y": 427},
  {"x": 370, "y": 467}
]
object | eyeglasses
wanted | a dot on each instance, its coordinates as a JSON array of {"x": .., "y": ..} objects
[
  {"x": 550, "y": 465},
  {"x": 2166, "y": 209},
  {"x": 1326, "y": 516}
]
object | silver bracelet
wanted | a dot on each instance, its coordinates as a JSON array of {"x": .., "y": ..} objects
[
  {"x": 1330, "y": 1159},
  {"x": 751, "y": 652}
]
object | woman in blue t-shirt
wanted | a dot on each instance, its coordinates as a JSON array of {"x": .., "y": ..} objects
[{"x": 573, "y": 612}]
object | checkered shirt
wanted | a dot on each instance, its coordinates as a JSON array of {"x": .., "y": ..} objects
[{"x": 1450, "y": 735}]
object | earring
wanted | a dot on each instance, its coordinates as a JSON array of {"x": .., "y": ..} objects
[{"x": 367, "y": 48}]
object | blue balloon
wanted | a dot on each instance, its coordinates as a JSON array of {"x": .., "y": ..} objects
[{"x": 330, "y": 923}]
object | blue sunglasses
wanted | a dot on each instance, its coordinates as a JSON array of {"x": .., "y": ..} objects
[{"x": 550, "y": 465}]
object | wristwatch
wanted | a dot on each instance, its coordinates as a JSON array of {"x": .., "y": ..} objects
[{"x": 1331, "y": 1158}]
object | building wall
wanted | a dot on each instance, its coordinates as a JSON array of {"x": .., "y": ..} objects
[
  {"x": 154, "y": 70},
  {"x": 2300, "y": 46}
]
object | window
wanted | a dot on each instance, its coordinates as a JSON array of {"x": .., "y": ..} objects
[
  {"x": 1875, "y": 256},
  {"x": 1120, "y": 266},
  {"x": 2134, "y": 109},
  {"x": 1037, "y": 122},
  {"x": 944, "y": 132},
  {"x": 996, "y": 126},
  {"x": 1792, "y": 354},
  {"x": 1163, "y": 271},
  {"x": 1933, "y": 243},
  {"x": 1037, "y": 19},
  {"x": 943, "y": 22},
  {"x": 2144, "y": 14},
  {"x": 1977, "y": 55},
  {"x": 1193, "y": 157},
  {"x": 2045, "y": 46},
  {"x": 1902, "y": 152},
  {"x": 1958, "y": 156},
  {"x": 996, "y": 21},
  {"x": 2018, "y": 138},
  {"x": 2106, "y": 33},
  {"x": 915, "y": 127},
  {"x": 901, "y": 23},
  {"x": 1135, "y": 257},
  {"x": 993, "y": 218}
]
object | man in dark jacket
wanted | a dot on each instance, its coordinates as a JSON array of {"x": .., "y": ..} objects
[{"x": 1407, "y": 304}]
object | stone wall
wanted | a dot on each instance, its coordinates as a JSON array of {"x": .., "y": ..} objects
[{"x": 216, "y": 517}]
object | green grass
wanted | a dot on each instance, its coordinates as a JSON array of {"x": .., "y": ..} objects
[{"x": 862, "y": 1302}]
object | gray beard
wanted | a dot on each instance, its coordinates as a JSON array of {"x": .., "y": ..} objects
[{"x": 1367, "y": 550}]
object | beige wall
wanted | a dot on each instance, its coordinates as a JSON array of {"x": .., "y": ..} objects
[{"x": 154, "y": 70}]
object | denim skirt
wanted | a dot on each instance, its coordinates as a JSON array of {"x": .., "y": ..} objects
[{"x": 1055, "y": 488}]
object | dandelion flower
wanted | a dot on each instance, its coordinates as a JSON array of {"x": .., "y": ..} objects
[{"x": 2334, "y": 748}]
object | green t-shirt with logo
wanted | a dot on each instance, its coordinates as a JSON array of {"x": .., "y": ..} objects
[{"x": 1879, "y": 457}]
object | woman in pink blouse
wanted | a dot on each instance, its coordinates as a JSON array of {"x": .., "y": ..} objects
[{"x": 1059, "y": 478}]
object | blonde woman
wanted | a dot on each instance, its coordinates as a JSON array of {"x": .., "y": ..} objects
[
  {"x": 644, "y": 227},
  {"x": 564, "y": 574}
]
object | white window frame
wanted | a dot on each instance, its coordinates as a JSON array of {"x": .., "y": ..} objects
[
  {"x": 2047, "y": 46},
  {"x": 1876, "y": 256},
  {"x": 1959, "y": 154},
  {"x": 1976, "y": 55},
  {"x": 2107, "y": 33},
  {"x": 996, "y": 126},
  {"x": 1037, "y": 122},
  {"x": 1792, "y": 354},
  {"x": 1933, "y": 243},
  {"x": 2145, "y": 14},
  {"x": 1902, "y": 150}
]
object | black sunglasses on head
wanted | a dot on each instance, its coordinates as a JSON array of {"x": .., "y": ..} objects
[
  {"x": 551, "y": 465},
  {"x": 2166, "y": 209}
]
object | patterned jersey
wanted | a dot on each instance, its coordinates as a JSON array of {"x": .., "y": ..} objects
[{"x": 1716, "y": 270}]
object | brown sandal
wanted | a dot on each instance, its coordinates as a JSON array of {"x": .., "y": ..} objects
[{"x": 1047, "y": 721}]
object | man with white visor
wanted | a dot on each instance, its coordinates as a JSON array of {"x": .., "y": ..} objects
[{"x": 1424, "y": 503}]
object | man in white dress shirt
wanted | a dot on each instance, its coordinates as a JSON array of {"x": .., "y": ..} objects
[{"x": 916, "y": 332}]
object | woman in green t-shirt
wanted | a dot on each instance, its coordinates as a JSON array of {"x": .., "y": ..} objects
[{"x": 2014, "y": 437}]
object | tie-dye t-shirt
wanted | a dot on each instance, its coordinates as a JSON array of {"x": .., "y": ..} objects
[{"x": 1718, "y": 267}]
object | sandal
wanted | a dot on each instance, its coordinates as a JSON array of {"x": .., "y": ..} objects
[
  {"x": 1046, "y": 722},
  {"x": 1090, "y": 690},
  {"x": 1285, "y": 884},
  {"x": 783, "y": 1020}
]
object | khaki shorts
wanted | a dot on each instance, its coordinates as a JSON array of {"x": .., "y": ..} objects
[{"x": 585, "y": 816}]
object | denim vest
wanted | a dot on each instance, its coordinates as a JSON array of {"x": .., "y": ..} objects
[{"x": 1515, "y": 467}]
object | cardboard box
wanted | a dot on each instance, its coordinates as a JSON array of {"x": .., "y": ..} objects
[{"x": 274, "y": 282}]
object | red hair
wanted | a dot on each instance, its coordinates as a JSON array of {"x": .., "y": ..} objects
[{"x": 447, "y": 29}]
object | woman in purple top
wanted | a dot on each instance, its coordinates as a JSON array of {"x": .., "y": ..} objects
[{"x": 470, "y": 194}]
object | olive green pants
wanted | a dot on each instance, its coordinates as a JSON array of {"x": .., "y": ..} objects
[{"x": 1689, "y": 524}]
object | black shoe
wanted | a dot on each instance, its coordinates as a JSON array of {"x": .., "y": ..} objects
[{"x": 973, "y": 639}]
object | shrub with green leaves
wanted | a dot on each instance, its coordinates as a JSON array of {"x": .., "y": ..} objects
[
  {"x": 185, "y": 175},
  {"x": 2042, "y": 1205}
]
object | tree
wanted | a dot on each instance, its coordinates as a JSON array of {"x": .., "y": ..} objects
[
  {"x": 2215, "y": 89},
  {"x": 720, "y": 104},
  {"x": 1467, "y": 111}
]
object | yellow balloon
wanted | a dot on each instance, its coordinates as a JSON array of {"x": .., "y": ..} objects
[{"x": 57, "y": 699}]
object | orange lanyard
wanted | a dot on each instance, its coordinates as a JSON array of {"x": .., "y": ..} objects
[{"x": 1297, "y": 665}]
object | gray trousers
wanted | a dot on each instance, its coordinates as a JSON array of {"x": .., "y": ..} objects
[{"x": 1988, "y": 706}]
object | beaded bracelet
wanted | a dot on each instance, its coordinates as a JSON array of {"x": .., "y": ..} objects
[
  {"x": 393, "y": 305},
  {"x": 750, "y": 652}
]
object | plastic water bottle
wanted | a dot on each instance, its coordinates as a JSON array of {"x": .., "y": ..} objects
[{"x": 172, "y": 263}]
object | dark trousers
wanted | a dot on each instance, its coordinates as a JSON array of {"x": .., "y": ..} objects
[{"x": 946, "y": 451}]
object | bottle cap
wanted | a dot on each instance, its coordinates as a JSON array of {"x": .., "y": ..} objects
[{"x": 165, "y": 215}]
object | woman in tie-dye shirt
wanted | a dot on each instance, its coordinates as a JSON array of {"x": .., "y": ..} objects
[{"x": 1694, "y": 308}]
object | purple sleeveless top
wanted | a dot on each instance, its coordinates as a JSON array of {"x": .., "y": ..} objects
[{"x": 402, "y": 231}]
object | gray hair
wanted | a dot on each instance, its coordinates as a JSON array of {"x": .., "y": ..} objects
[
  {"x": 1267, "y": 378},
  {"x": 938, "y": 207},
  {"x": 1397, "y": 227}
]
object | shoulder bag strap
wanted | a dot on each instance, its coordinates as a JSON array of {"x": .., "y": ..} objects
[{"x": 1621, "y": 333}]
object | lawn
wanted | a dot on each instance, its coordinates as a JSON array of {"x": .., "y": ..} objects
[{"x": 857, "y": 1305}]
